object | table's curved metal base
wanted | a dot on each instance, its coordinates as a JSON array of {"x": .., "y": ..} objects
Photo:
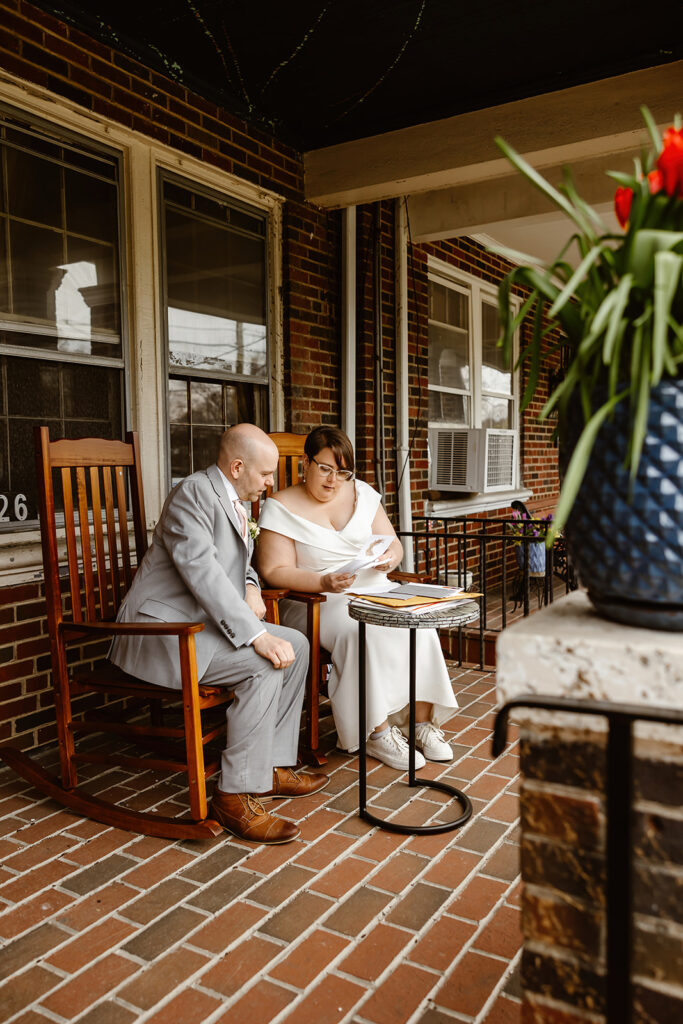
[
  {"x": 424, "y": 830},
  {"x": 413, "y": 782}
]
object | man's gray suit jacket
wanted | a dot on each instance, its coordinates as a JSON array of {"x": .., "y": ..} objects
[{"x": 195, "y": 570}]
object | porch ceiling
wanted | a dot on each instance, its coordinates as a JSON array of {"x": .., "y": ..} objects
[
  {"x": 319, "y": 72},
  {"x": 404, "y": 97}
]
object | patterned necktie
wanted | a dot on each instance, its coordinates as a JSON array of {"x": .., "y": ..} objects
[{"x": 242, "y": 516}]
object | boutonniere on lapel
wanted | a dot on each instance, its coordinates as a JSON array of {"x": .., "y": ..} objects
[{"x": 253, "y": 527}]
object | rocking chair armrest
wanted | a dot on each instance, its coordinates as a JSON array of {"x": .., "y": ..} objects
[
  {"x": 268, "y": 594},
  {"x": 131, "y": 628},
  {"x": 407, "y": 577},
  {"x": 305, "y": 596}
]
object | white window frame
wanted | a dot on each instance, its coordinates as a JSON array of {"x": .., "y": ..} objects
[
  {"x": 478, "y": 290},
  {"x": 142, "y": 158}
]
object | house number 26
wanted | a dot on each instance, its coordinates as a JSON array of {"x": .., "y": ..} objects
[{"x": 20, "y": 508}]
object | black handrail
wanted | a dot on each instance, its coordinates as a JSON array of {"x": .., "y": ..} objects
[
  {"x": 444, "y": 548},
  {"x": 619, "y": 784}
]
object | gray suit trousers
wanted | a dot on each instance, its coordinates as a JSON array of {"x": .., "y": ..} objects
[{"x": 264, "y": 718}]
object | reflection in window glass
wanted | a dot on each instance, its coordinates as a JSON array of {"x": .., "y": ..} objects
[
  {"x": 215, "y": 273},
  {"x": 496, "y": 374},
  {"x": 496, "y": 412},
  {"x": 448, "y": 358},
  {"x": 216, "y": 296},
  {"x": 450, "y": 376},
  {"x": 470, "y": 382},
  {"x": 59, "y": 293},
  {"x": 445, "y": 407},
  {"x": 199, "y": 412}
]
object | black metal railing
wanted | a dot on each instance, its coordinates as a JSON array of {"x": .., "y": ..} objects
[
  {"x": 618, "y": 813},
  {"x": 479, "y": 554}
]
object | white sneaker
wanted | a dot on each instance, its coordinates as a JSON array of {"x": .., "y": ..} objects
[
  {"x": 392, "y": 749},
  {"x": 430, "y": 740}
]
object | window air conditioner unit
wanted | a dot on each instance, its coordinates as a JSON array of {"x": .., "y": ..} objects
[{"x": 480, "y": 459}]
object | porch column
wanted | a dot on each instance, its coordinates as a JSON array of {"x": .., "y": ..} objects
[
  {"x": 567, "y": 651},
  {"x": 405, "y": 513},
  {"x": 348, "y": 403}
]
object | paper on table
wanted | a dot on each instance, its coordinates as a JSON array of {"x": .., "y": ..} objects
[
  {"x": 433, "y": 590},
  {"x": 376, "y": 546}
]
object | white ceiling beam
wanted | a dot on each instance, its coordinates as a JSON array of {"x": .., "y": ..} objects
[
  {"x": 579, "y": 123},
  {"x": 474, "y": 207}
]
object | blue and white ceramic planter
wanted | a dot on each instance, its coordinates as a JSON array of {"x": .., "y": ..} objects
[
  {"x": 627, "y": 548},
  {"x": 536, "y": 556}
]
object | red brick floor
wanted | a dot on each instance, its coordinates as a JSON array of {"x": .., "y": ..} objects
[{"x": 347, "y": 924}]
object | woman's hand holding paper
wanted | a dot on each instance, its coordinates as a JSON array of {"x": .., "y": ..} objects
[{"x": 336, "y": 582}]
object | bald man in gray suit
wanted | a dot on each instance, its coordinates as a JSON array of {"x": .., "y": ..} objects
[{"x": 197, "y": 569}]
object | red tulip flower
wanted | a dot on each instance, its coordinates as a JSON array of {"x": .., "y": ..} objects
[
  {"x": 623, "y": 197},
  {"x": 670, "y": 162}
]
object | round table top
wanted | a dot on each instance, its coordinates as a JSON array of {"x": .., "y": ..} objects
[{"x": 446, "y": 618}]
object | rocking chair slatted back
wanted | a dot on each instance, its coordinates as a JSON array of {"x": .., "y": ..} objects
[
  {"x": 96, "y": 513},
  {"x": 289, "y": 466}
]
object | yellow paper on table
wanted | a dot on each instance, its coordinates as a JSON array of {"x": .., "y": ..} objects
[{"x": 410, "y": 602}]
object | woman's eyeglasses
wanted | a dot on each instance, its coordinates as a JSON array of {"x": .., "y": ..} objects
[{"x": 343, "y": 474}]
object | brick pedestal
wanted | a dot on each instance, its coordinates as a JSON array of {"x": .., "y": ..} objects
[{"x": 566, "y": 650}]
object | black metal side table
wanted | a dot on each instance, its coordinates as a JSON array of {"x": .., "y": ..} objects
[{"x": 448, "y": 618}]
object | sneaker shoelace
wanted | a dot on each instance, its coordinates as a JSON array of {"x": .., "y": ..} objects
[
  {"x": 431, "y": 728},
  {"x": 398, "y": 740}
]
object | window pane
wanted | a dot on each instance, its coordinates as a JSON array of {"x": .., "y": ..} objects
[
  {"x": 205, "y": 446},
  {"x": 177, "y": 401},
  {"x": 496, "y": 374},
  {"x": 215, "y": 406},
  {"x": 36, "y": 256},
  {"x": 33, "y": 389},
  {"x": 4, "y": 276},
  {"x": 216, "y": 296},
  {"x": 64, "y": 293},
  {"x": 34, "y": 188},
  {"x": 181, "y": 461},
  {"x": 207, "y": 403},
  {"x": 92, "y": 393},
  {"x": 72, "y": 400},
  {"x": 90, "y": 206},
  {"x": 58, "y": 292},
  {"x": 448, "y": 305},
  {"x": 496, "y": 412},
  {"x": 448, "y": 358},
  {"x": 91, "y": 306},
  {"x": 448, "y": 408}
]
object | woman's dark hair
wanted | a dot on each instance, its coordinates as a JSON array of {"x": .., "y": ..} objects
[{"x": 334, "y": 438}]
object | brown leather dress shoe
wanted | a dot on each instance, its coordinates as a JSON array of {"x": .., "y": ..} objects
[
  {"x": 288, "y": 784},
  {"x": 245, "y": 817}
]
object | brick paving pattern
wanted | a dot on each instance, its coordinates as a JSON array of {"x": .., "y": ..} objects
[{"x": 347, "y": 924}]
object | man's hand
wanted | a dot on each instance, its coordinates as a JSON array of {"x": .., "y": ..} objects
[
  {"x": 276, "y": 650},
  {"x": 255, "y": 601}
]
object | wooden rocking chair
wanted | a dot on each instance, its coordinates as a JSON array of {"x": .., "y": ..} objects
[{"x": 100, "y": 569}]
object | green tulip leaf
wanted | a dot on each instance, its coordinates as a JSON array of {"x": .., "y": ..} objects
[
  {"x": 645, "y": 244},
  {"x": 667, "y": 275}
]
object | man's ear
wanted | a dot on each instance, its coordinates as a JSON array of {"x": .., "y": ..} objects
[{"x": 235, "y": 468}]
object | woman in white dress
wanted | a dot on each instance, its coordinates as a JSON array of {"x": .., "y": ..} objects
[{"x": 308, "y": 533}]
